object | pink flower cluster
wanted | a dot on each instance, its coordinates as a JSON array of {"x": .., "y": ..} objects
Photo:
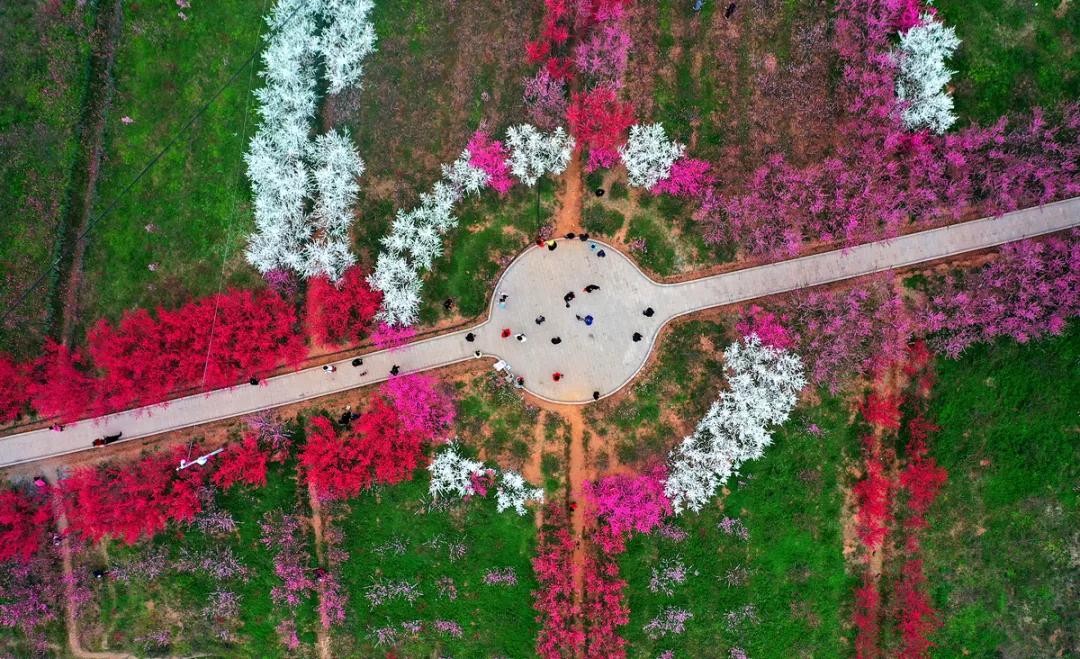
[
  {"x": 490, "y": 156},
  {"x": 623, "y": 504}
]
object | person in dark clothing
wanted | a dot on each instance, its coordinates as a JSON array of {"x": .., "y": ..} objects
[
  {"x": 555, "y": 340},
  {"x": 253, "y": 382},
  {"x": 601, "y": 253},
  {"x": 637, "y": 336},
  {"x": 395, "y": 369},
  {"x": 591, "y": 287},
  {"x": 540, "y": 320},
  {"x": 596, "y": 395},
  {"x": 521, "y": 381},
  {"x": 504, "y": 297},
  {"x": 648, "y": 312},
  {"x": 109, "y": 439},
  {"x": 583, "y": 237},
  {"x": 599, "y": 192},
  {"x": 568, "y": 297},
  {"x": 569, "y": 236},
  {"x": 551, "y": 245},
  {"x": 470, "y": 337},
  {"x": 448, "y": 304},
  {"x": 358, "y": 362},
  {"x": 730, "y": 11},
  {"x": 346, "y": 417}
]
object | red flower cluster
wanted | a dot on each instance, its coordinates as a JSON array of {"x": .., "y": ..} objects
[
  {"x": 604, "y": 609},
  {"x": 242, "y": 463},
  {"x": 23, "y": 521},
  {"x": 554, "y": 567},
  {"x": 132, "y": 501},
  {"x": 341, "y": 312}
]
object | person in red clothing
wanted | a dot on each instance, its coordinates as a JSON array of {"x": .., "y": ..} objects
[
  {"x": 505, "y": 332},
  {"x": 556, "y": 376}
]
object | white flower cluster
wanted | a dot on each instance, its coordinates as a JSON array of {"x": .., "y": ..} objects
[
  {"x": 534, "y": 153},
  {"x": 288, "y": 170},
  {"x": 921, "y": 82},
  {"x": 514, "y": 492},
  {"x": 648, "y": 155},
  {"x": 416, "y": 237},
  {"x": 452, "y": 475},
  {"x": 764, "y": 387},
  {"x": 416, "y": 240}
]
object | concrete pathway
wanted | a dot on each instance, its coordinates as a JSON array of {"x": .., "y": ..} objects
[{"x": 601, "y": 357}]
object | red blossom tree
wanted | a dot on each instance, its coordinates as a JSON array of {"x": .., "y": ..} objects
[
  {"x": 343, "y": 311},
  {"x": 131, "y": 501},
  {"x": 918, "y": 619},
  {"x": 423, "y": 408},
  {"x": 23, "y": 521},
  {"x": 599, "y": 121},
  {"x": 873, "y": 496},
  {"x": 604, "y": 609},
  {"x": 882, "y": 410},
  {"x": 244, "y": 462},
  {"x": 60, "y": 385},
  {"x": 867, "y": 605},
  {"x": 555, "y": 601}
]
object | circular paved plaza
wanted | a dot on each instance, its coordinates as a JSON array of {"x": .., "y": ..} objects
[{"x": 597, "y": 357}]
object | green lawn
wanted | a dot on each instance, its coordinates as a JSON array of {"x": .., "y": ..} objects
[
  {"x": 195, "y": 200},
  {"x": 497, "y": 620},
  {"x": 1014, "y": 55},
  {"x": 44, "y": 68},
  {"x": 1001, "y": 551},
  {"x": 494, "y": 416},
  {"x": 791, "y": 569},
  {"x": 131, "y": 610}
]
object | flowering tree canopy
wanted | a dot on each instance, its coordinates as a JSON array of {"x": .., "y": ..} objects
[
  {"x": 341, "y": 312},
  {"x": 514, "y": 492},
  {"x": 347, "y": 39},
  {"x": 764, "y": 386},
  {"x": 22, "y": 524},
  {"x": 534, "y": 153},
  {"x": 649, "y": 155},
  {"x": 452, "y": 475},
  {"x": 920, "y": 85}
]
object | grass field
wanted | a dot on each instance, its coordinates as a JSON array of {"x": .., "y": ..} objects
[
  {"x": 494, "y": 417},
  {"x": 44, "y": 68},
  {"x": 1014, "y": 55},
  {"x": 1001, "y": 551},
  {"x": 496, "y": 620},
  {"x": 131, "y": 611},
  {"x": 790, "y": 569},
  {"x": 191, "y": 211}
]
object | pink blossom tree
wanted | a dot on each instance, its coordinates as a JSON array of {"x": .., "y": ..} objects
[
  {"x": 490, "y": 156},
  {"x": 622, "y": 504}
]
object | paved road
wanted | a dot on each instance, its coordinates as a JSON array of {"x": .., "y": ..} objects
[{"x": 601, "y": 357}]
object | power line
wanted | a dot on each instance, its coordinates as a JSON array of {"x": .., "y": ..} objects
[{"x": 146, "y": 168}]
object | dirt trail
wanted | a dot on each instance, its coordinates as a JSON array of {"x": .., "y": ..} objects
[
  {"x": 568, "y": 217},
  {"x": 71, "y": 622},
  {"x": 65, "y": 297},
  {"x": 322, "y": 643}
]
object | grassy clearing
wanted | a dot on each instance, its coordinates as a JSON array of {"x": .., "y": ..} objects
[
  {"x": 195, "y": 200},
  {"x": 791, "y": 570},
  {"x": 131, "y": 611},
  {"x": 1014, "y": 55},
  {"x": 494, "y": 418},
  {"x": 44, "y": 69},
  {"x": 677, "y": 390},
  {"x": 1002, "y": 545},
  {"x": 497, "y": 620}
]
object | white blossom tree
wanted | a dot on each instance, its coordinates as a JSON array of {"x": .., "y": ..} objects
[
  {"x": 764, "y": 384},
  {"x": 349, "y": 37},
  {"x": 534, "y": 153},
  {"x": 648, "y": 155},
  {"x": 514, "y": 492},
  {"x": 400, "y": 286},
  {"x": 452, "y": 474},
  {"x": 921, "y": 82}
]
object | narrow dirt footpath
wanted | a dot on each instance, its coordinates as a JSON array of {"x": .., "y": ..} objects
[
  {"x": 65, "y": 296},
  {"x": 71, "y": 622},
  {"x": 322, "y": 643},
  {"x": 571, "y": 193}
]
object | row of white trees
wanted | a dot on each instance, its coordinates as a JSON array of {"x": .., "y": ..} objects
[
  {"x": 452, "y": 476},
  {"x": 923, "y": 78},
  {"x": 416, "y": 236},
  {"x": 304, "y": 188},
  {"x": 764, "y": 384}
]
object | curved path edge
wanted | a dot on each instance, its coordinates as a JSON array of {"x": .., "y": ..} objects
[{"x": 443, "y": 350}]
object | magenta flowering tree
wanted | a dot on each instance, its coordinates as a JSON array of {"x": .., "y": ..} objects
[
  {"x": 767, "y": 326},
  {"x": 490, "y": 156},
  {"x": 423, "y": 407},
  {"x": 1031, "y": 289},
  {"x": 689, "y": 177},
  {"x": 622, "y": 504}
]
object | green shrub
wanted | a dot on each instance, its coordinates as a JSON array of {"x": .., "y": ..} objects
[
  {"x": 619, "y": 191},
  {"x": 601, "y": 220},
  {"x": 659, "y": 255}
]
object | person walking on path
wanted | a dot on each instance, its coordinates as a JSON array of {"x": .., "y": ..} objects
[
  {"x": 555, "y": 340},
  {"x": 358, "y": 362},
  {"x": 601, "y": 253},
  {"x": 568, "y": 297},
  {"x": 587, "y": 319},
  {"x": 521, "y": 337},
  {"x": 470, "y": 337},
  {"x": 556, "y": 376},
  {"x": 648, "y": 312},
  {"x": 591, "y": 287},
  {"x": 583, "y": 237},
  {"x": 596, "y": 395},
  {"x": 254, "y": 382},
  {"x": 569, "y": 236},
  {"x": 540, "y": 320},
  {"x": 329, "y": 368},
  {"x": 551, "y": 245},
  {"x": 637, "y": 336},
  {"x": 395, "y": 369},
  {"x": 505, "y": 332}
]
